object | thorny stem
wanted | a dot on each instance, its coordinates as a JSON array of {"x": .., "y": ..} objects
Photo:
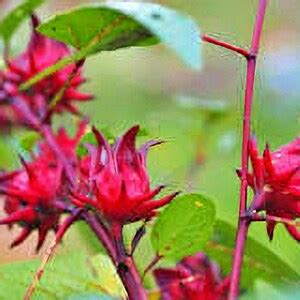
[{"x": 243, "y": 225}]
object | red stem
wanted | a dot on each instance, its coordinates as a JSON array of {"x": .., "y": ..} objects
[
  {"x": 244, "y": 223},
  {"x": 225, "y": 45},
  {"x": 126, "y": 267}
]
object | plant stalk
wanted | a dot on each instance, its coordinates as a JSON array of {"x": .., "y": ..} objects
[
  {"x": 243, "y": 224},
  {"x": 126, "y": 267}
]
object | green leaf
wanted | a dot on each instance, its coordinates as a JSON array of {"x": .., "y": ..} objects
[
  {"x": 13, "y": 20},
  {"x": 184, "y": 227},
  {"x": 264, "y": 290},
  {"x": 90, "y": 297},
  {"x": 259, "y": 262},
  {"x": 65, "y": 276},
  {"x": 121, "y": 24},
  {"x": 29, "y": 140}
]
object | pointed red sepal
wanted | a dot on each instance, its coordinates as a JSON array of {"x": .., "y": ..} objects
[
  {"x": 293, "y": 231},
  {"x": 42, "y": 233},
  {"x": 78, "y": 96},
  {"x": 150, "y": 195},
  {"x": 267, "y": 157},
  {"x": 26, "y": 231},
  {"x": 155, "y": 204},
  {"x": 270, "y": 229},
  {"x": 25, "y": 215}
]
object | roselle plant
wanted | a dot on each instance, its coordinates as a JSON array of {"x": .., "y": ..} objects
[{"x": 153, "y": 241}]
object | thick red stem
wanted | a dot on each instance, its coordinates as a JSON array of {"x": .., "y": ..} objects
[
  {"x": 243, "y": 224},
  {"x": 126, "y": 267}
]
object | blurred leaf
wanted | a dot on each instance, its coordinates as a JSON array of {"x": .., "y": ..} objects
[
  {"x": 121, "y": 24},
  {"x": 65, "y": 276},
  {"x": 259, "y": 262},
  {"x": 184, "y": 227},
  {"x": 88, "y": 138},
  {"x": 13, "y": 19},
  {"x": 211, "y": 108},
  {"x": 29, "y": 140},
  {"x": 263, "y": 290},
  {"x": 90, "y": 297},
  {"x": 107, "y": 276}
]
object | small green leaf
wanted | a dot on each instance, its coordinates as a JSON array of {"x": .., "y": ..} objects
[
  {"x": 88, "y": 138},
  {"x": 259, "y": 262},
  {"x": 184, "y": 227},
  {"x": 121, "y": 24},
  {"x": 13, "y": 20},
  {"x": 29, "y": 140}
]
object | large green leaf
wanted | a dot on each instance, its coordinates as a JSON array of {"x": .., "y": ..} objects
[
  {"x": 259, "y": 262},
  {"x": 12, "y": 21},
  {"x": 121, "y": 24},
  {"x": 184, "y": 227},
  {"x": 65, "y": 276}
]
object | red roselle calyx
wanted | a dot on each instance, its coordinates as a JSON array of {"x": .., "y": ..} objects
[
  {"x": 118, "y": 181},
  {"x": 275, "y": 180},
  {"x": 194, "y": 278},
  {"x": 41, "y": 53},
  {"x": 36, "y": 195}
]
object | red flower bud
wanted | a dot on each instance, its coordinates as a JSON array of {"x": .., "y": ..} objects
[
  {"x": 275, "y": 180},
  {"x": 32, "y": 193},
  {"x": 41, "y": 53},
  {"x": 119, "y": 182},
  {"x": 194, "y": 278}
]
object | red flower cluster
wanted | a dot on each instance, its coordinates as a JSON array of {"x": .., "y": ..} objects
[
  {"x": 275, "y": 181},
  {"x": 119, "y": 186},
  {"x": 194, "y": 278},
  {"x": 41, "y": 53},
  {"x": 36, "y": 194}
]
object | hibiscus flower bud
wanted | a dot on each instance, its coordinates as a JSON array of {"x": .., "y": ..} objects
[
  {"x": 118, "y": 180},
  {"x": 41, "y": 53},
  {"x": 275, "y": 180},
  {"x": 35, "y": 195},
  {"x": 194, "y": 278}
]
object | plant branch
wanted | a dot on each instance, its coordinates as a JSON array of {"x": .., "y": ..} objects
[
  {"x": 243, "y": 224},
  {"x": 126, "y": 267},
  {"x": 225, "y": 45}
]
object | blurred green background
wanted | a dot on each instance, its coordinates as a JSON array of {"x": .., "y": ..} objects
[{"x": 199, "y": 114}]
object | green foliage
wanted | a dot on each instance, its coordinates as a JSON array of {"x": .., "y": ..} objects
[
  {"x": 90, "y": 297},
  {"x": 116, "y": 25},
  {"x": 65, "y": 276},
  {"x": 263, "y": 290},
  {"x": 184, "y": 227},
  {"x": 13, "y": 20},
  {"x": 259, "y": 262},
  {"x": 28, "y": 141}
]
